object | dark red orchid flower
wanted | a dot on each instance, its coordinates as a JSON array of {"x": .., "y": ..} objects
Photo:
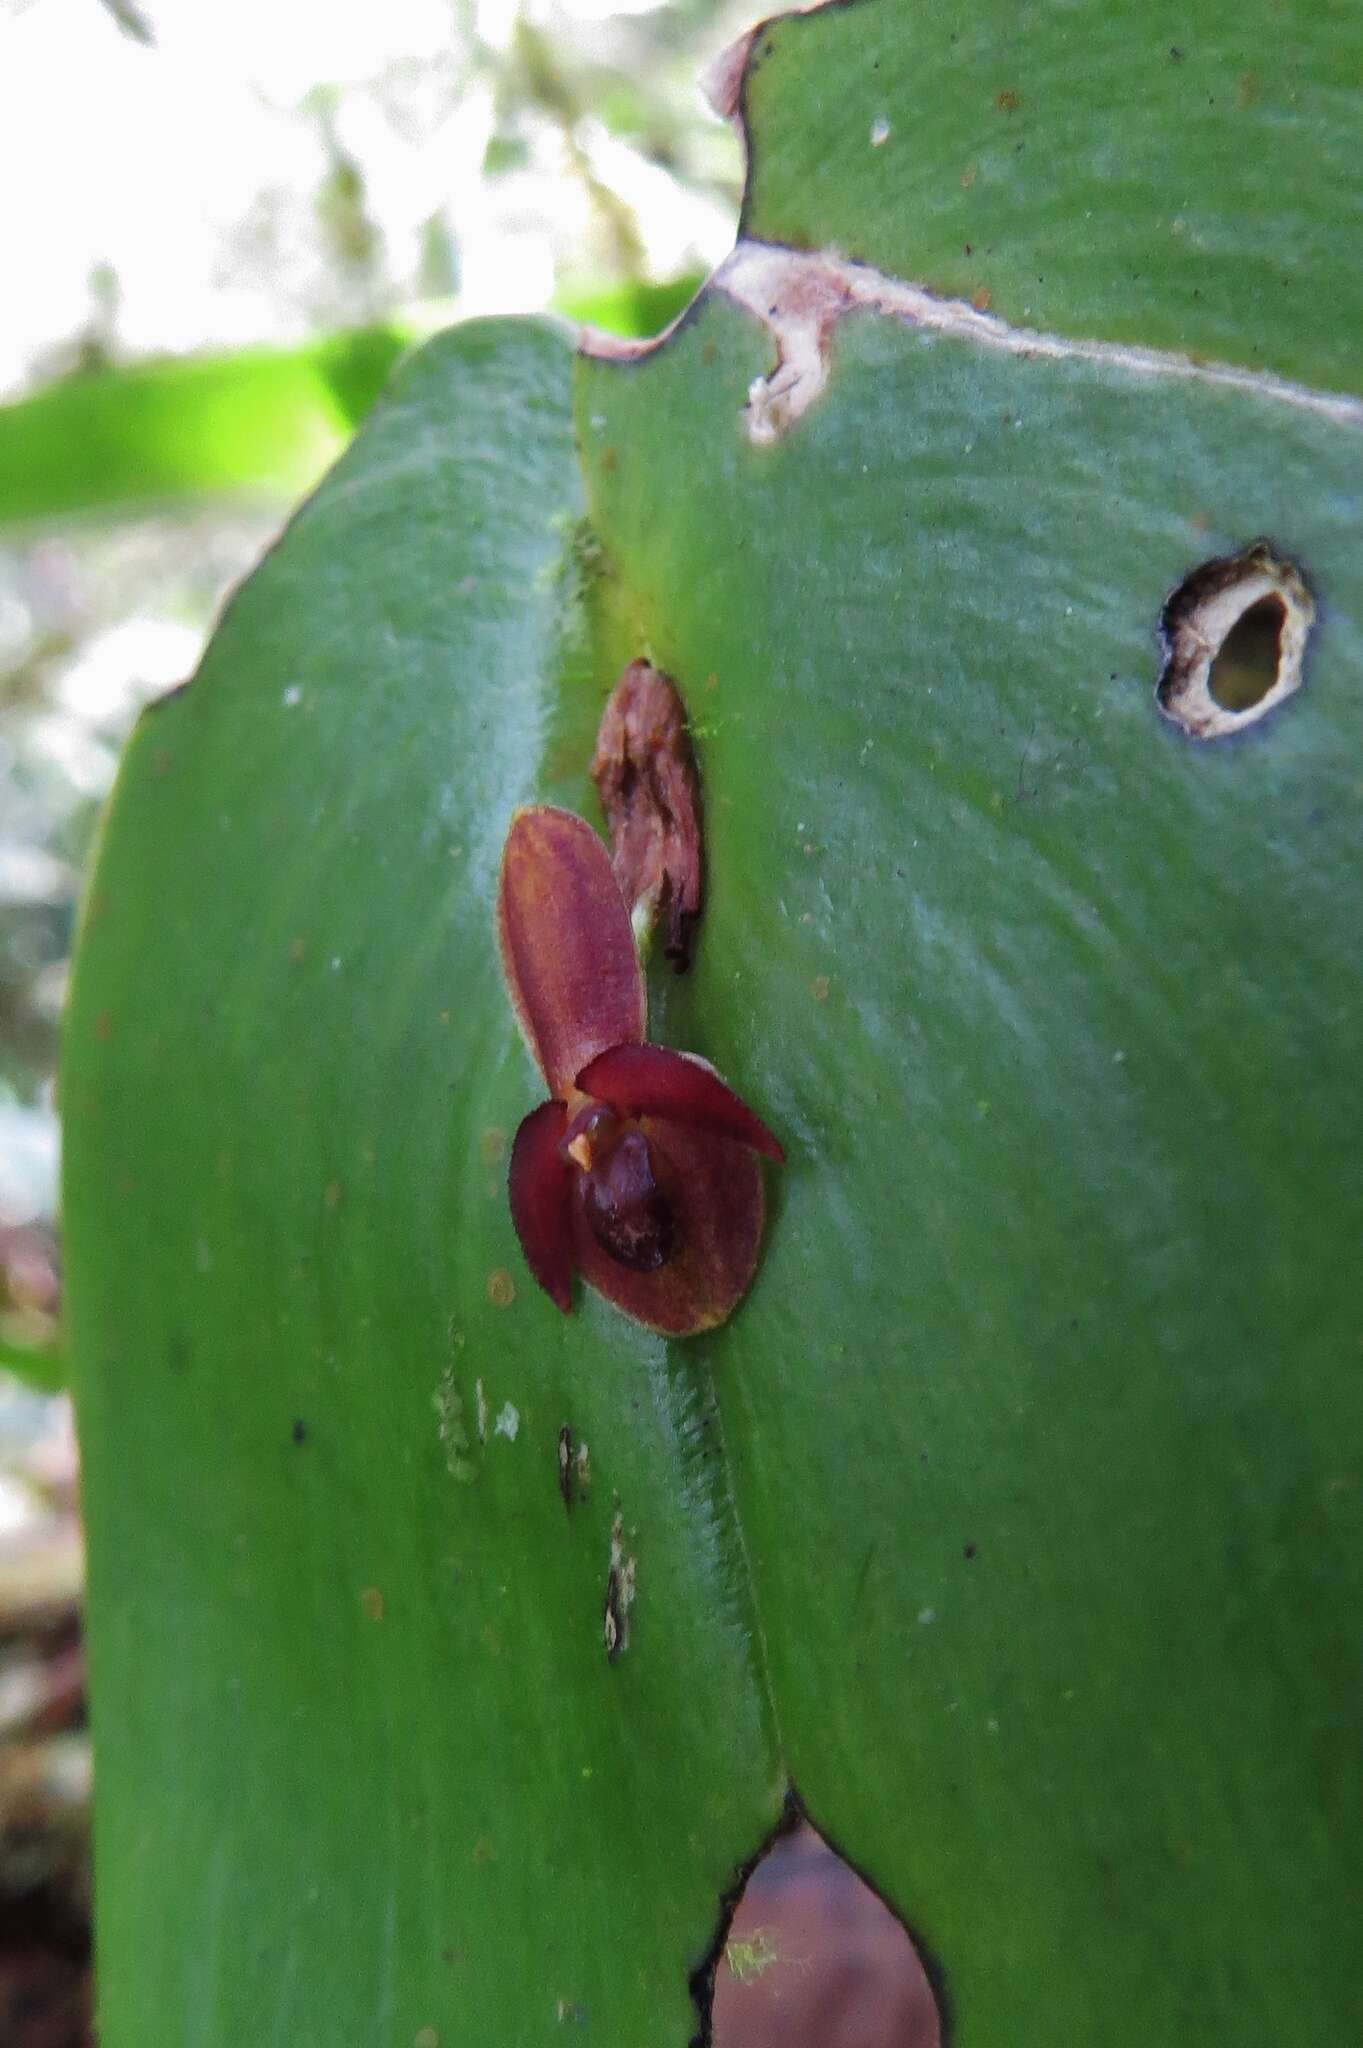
[{"x": 640, "y": 1171}]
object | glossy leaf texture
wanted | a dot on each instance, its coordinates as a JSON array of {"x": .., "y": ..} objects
[
  {"x": 1015, "y": 1516},
  {"x": 1164, "y": 176}
]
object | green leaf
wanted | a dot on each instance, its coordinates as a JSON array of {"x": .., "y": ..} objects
[
  {"x": 42, "y": 1369},
  {"x": 637, "y": 308},
  {"x": 1014, "y": 1519},
  {"x": 1183, "y": 178},
  {"x": 128, "y": 437},
  {"x": 366, "y": 1630}
]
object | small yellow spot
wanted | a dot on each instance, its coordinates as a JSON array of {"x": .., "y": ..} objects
[
  {"x": 968, "y": 177},
  {"x": 818, "y": 988},
  {"x": 712, "y": 681},
  {"x": 501, "y": 1288},
  {"x": 483, "y": 1851},
  {"x": 427, "y": 2037},
  {"x": 332, "y": 1194},
  {"x": 297, "y": 949},
  {"x": 492, "y": 1145},
  {"x": 1250, "y": 89},
  {"x": 752, "y": 1958},
  {"x": 980, "y": 300},
  {"x": 371, "y": 1604}
]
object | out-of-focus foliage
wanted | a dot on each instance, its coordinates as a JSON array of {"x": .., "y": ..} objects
[
  {"x": 127, "y": 437},
  {"x": 238, "y": 173}
]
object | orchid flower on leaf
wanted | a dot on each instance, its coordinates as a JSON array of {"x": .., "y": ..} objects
[{"x": 641, "y": 1169}]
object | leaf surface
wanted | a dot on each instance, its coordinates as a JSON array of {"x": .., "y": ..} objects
[{"x": 1014, "y": 1516}]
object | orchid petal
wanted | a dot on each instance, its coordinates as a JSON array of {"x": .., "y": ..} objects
[
  {"x": 652, "y": 1080},
  {"x": 538, "y": 1183},
  {"x": 567, "y": 949}
]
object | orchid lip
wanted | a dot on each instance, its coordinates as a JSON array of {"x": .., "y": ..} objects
[{"x": 627, "y": 1211}]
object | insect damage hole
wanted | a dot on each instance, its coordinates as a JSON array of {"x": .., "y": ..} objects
[
  {"x": 812, "y": 1955},
  {"x": 1234, "y": 634}
]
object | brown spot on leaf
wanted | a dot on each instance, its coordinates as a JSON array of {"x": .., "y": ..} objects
[
  {"x": 980, "y": 300},
  {"x": 501, "y": 1288},
  {"x": 371, "y": 1604},
  {"x": 645, "y": 775},
  {"x": 1008, "y": 101}
]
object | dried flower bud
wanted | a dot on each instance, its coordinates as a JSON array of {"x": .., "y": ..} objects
[{"x": 645, "y": 776}]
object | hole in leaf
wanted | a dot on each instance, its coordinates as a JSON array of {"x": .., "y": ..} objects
[
  {"x": 813, "y": 1958},
  {"x": 1235, "y": 634},
  {"x": 1246, "y": 669}
]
